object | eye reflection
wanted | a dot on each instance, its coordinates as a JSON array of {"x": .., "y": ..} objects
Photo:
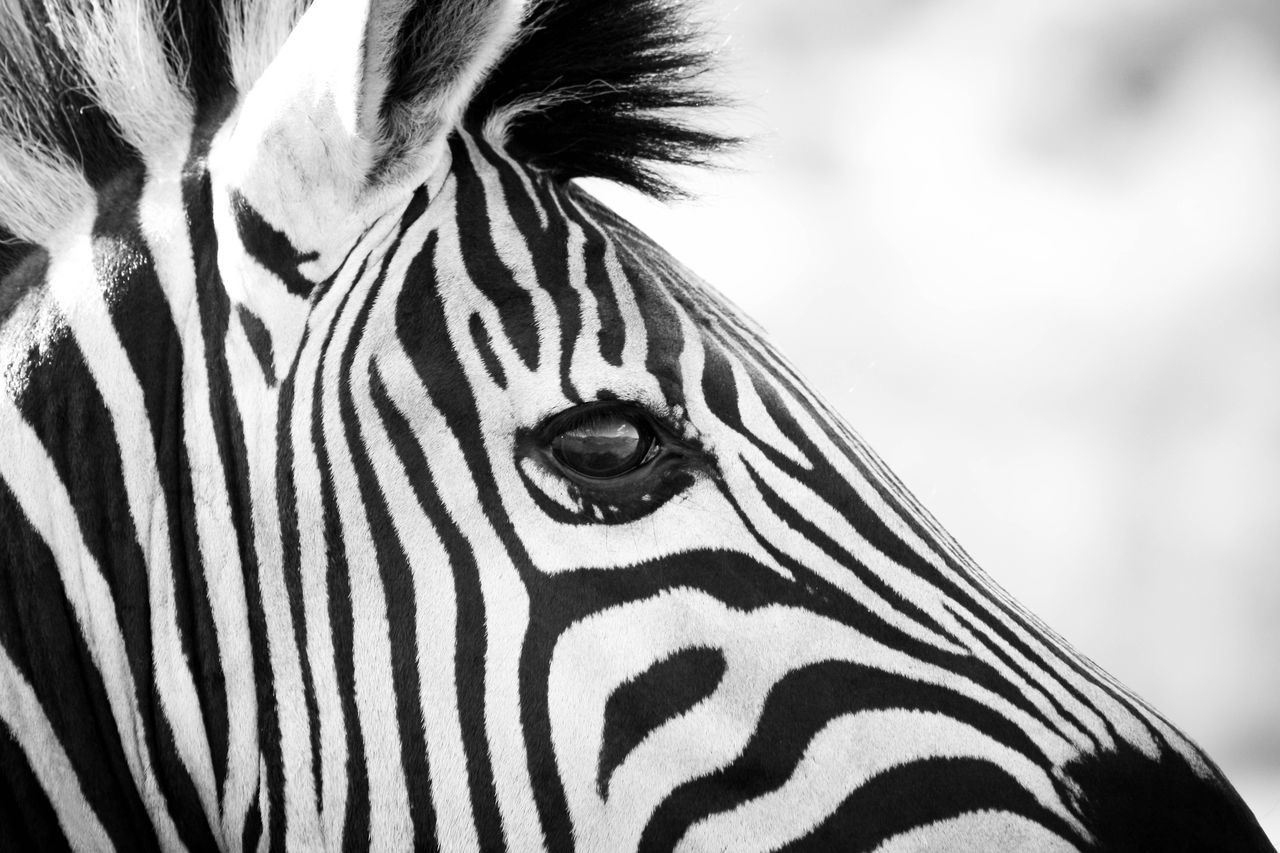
[{"x": 603, "y": 445}]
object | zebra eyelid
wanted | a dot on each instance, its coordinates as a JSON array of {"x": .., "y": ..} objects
[{"x": 668, "y": 451}]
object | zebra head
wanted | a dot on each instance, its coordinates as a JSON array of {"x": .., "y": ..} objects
[{"x": 469, "y": 517}]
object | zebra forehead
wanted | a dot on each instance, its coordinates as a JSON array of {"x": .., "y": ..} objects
[{"x": 529, "y": 263}]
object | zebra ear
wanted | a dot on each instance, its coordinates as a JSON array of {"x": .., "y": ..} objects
[{"x": 357, "y": 104}]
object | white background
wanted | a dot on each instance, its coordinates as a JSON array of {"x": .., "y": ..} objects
[{"x": 1031, "y": 251}]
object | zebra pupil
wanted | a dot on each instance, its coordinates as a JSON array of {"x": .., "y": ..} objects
[{"x": 606, "y": 444}]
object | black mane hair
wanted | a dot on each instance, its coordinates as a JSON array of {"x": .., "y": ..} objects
[{"x": 605, "y": 84}]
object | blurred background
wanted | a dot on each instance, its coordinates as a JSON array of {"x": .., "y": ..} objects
[{"x": 1031, "y": 251}]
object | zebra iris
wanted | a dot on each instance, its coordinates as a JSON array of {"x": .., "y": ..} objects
[{"x": 603, "y": 444}]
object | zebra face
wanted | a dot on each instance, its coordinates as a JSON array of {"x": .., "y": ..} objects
[{"x": 657, "y": 591}]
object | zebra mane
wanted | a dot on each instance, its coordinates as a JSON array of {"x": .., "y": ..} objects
[
  {"x": 90, "y": 89},
  {"x": 596, "y": 89}
]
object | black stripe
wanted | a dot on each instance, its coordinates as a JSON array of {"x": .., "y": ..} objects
[
  {"x": 271, "y": 247},
  {"x": 638, "y": 707},
  {"x": 259, "y": 337},
  {"x": 484, "y": 346},
  {"x": 23, "y": 268},
  {"x": 27, "y": 818},
  {"x": 252, "y": 827}
]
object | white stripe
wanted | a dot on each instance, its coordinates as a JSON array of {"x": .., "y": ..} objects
[
  {"x": 264, "y": 808},
  {"x": 980, "y": 831},
  {"x": 85, "y": 310},
  {"x": 34, "y": 481},
  {"x": 20, "y": 711}
]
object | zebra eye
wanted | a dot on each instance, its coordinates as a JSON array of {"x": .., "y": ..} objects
[{"x": 603, "y": 443}]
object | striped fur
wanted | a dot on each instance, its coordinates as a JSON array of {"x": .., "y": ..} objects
[{"x": 286, "y": 564}]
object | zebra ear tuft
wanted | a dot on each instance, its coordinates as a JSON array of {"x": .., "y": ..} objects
[{"x": 357, "y": 104}]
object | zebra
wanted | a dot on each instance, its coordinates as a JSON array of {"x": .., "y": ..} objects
[{"x": 368, "y": 484}]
